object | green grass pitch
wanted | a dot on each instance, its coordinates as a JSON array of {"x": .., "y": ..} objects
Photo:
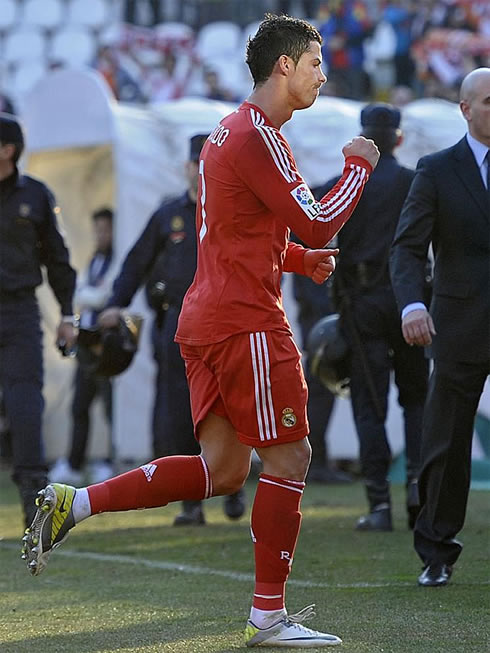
[{"x": 130, "y": 582}]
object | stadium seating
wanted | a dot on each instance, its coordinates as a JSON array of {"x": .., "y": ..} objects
[
  {"x": 220, "y": 38},
  {"x": 177, "y": 34},
  {"x": 25, "y": 75},
  {"x": 46, "y": 14},
  {"x": 8, "y": 15},
  {"x": 36, "y": 35},
  {"x": 24, "y": 44},
  {"x": 73, "y": 46},
  {"x": 96, "y": 18}
]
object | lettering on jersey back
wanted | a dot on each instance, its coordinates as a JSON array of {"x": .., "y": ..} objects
[{"x": 219, "y": 136}]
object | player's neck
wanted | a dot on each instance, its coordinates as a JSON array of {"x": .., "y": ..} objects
[{"x": 272, "y": 102}]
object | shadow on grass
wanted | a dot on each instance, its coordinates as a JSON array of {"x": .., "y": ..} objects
[{"x": 166, "y": 633}]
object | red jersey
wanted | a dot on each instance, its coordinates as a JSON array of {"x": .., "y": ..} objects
[{"x": 250, "y": 197}]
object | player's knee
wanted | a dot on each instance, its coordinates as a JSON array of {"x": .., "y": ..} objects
[
  {"x": 229, "y": 481},
  {"x": 289, "y": 461},
  {"x": 299, "y": 462}
]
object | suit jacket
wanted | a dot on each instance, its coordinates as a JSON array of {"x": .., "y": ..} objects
[{"x": 449, "y": 206}]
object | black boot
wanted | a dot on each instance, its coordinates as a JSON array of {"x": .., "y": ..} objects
[
  {"x": 234, "y": 504},
  {"x": 413, "y": 502},
  {"x": 379, "y": 517},
  {"x": 191, "y": 515},
  {"x": 29, "y": 484}
]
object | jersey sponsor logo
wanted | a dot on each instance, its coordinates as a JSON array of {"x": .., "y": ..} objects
[
  {"x": 288, "y": 418},
  {"x": 302, "y": 195},
  {"x": 148, "y": 471},
  {"x": 219, "y": 136}
]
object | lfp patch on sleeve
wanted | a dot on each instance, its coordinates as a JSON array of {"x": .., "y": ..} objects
[{"x": 302, "y": 195}]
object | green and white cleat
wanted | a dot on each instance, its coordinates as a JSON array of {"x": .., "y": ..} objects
[
  {"x": 290, "y": 633},
  {"x": 50, "y": 526}
]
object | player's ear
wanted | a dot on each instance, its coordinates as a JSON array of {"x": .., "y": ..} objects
[{"x": 284, "y": 64}]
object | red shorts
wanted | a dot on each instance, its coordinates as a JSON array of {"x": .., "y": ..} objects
[{"x": 255, "y": 380}]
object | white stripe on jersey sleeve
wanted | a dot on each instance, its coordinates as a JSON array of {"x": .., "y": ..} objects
[
  {"x": 274, "y": 146},
  {"x": 344, "y": 196}
]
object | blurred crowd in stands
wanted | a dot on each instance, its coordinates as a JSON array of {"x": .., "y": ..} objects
[{"x": 152, "y": 51}]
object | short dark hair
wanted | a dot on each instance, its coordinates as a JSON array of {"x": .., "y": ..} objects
[
  {"x": 102, "y": 214},
  {"x": 11, "y": 133},
  {"x": 385, "y": 139},
  {"x": 380, "y": 121},
  {"x": 278, "y": 35}
]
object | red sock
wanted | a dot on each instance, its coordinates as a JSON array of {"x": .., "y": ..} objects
[
  {"x": 276, "y": 520},
  {"x": 155, "y": 484}
]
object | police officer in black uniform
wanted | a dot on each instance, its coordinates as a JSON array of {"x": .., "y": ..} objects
[
  {"x": 29, "y": 240},
  {"x": 370, "y": 318},
  {"x": 165, "y": 258}
]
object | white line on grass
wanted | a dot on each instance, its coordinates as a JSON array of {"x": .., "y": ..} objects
[{"x": 207, "y": 571}]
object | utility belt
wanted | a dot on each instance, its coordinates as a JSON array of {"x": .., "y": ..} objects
[
  {"x": 161, "y": 300},
  {"x": 364, "y": 275}
]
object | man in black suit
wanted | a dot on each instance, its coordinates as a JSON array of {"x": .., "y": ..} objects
[{"x": 449, "y": 205}]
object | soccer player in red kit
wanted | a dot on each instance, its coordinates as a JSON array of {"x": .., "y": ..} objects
[{"x": 244, "y": 371}]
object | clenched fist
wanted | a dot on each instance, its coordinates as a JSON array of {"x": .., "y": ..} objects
[
  {"x": 363, "y": 147},
  {"x": 319, "y": 263}
]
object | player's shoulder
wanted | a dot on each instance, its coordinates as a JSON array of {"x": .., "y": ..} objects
[{"x": 230, "y": 135}]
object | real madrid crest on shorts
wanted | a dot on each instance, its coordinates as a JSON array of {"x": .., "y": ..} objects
[{"x": 288, "y": 418}]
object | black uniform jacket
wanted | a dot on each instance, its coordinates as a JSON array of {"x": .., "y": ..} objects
[
  {"x": 168, "y": 239},
  {"x": 29, "y": 239},
  {"x": 366, "y": 238}
]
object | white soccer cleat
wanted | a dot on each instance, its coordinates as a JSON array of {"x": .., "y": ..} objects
[{"x": 290, "y": 633}]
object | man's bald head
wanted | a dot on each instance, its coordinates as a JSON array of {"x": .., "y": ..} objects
[
  {"x": 475, "y": 104},
  {"x": 471, "y": 82}
]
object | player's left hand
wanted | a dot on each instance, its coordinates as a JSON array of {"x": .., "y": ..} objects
[{"x": 319, "y": 263}]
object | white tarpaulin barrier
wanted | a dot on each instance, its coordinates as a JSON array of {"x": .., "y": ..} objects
[{"x": 92, "y": 151}]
